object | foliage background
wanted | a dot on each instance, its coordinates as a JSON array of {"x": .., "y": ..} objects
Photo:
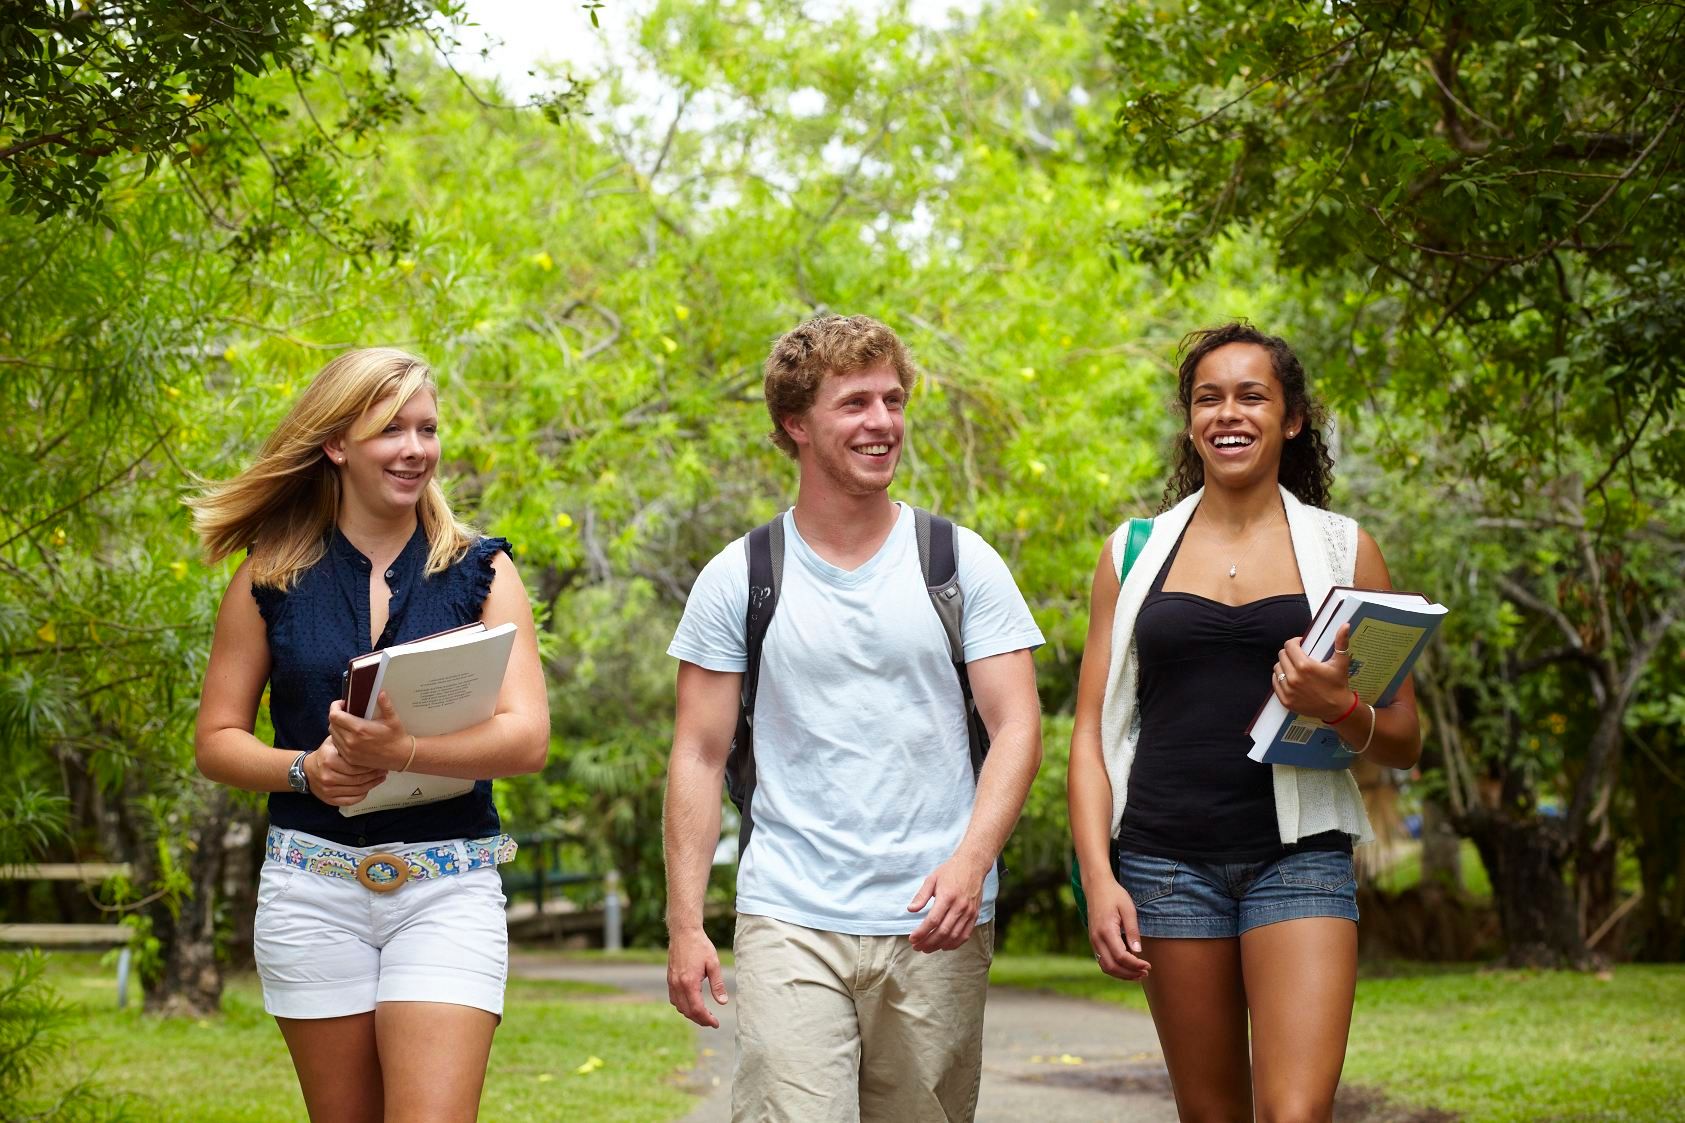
[{"x": 1042, "y": 199}]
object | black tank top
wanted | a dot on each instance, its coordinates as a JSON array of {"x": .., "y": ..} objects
[{"x": 1205, "y": 670}]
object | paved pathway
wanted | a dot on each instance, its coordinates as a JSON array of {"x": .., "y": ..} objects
[{"x": 1045, "y": 1057}]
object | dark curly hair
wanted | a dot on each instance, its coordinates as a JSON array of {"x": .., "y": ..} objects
[{"x": 1306, "y": 468}]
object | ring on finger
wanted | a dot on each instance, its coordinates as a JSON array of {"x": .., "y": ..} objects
[{"x": 1281, "y": 676}]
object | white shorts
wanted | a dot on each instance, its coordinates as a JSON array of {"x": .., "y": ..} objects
[{"x": 327, "y": 947}]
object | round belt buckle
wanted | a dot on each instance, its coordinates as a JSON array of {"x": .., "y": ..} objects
[{"x": 382, "y": 872}]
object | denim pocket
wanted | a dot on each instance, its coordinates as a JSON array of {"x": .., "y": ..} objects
[
  {"x": 1145, "y": 877},
  {"x": 1328, "y": 870}
]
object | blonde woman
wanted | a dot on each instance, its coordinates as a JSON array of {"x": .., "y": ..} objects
[{"x": 387, "y": 999}]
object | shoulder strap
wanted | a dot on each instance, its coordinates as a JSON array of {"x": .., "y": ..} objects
[
  {"x": 765, "y": 547},
  {"x": 1134, "y": 542},
  {"x": 938, "y": 540}
]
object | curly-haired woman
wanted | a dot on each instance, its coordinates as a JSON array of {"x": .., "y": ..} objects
[{"x": 1222, "y": 884}]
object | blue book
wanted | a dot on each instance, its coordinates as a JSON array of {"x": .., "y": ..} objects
[{"x": 1390, "y": 629}]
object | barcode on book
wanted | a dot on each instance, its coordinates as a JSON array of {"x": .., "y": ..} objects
[{"x": 1299, "y": 733}]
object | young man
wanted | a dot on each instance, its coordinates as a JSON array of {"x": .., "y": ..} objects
[{"x": 865, "y": 895}]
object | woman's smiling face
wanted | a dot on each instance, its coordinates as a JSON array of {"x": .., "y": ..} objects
[
  {"x": 1237, "y": 416},
  {"x": 390, "y": 469}
]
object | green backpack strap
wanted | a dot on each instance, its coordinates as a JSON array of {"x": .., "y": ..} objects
[{"x": 1135, "y": 540}]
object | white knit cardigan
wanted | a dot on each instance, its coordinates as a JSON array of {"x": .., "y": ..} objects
[{"x": 1307, "y": 800}]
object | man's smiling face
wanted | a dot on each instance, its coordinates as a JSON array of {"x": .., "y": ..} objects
[{"x": 852, "y": 434}]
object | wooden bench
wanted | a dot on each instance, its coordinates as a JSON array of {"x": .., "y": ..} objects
[{"x": 74, "y": 935}]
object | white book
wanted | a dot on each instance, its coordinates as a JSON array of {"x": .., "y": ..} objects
[{"x": 441, "y": 684}]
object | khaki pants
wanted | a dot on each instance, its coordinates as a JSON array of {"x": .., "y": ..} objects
[{"x": 837, "y": 1029}]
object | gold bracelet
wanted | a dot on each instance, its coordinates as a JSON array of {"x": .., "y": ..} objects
[
  {"x": 1367, "y": 741},
  {"x": 411, "y": 760}
]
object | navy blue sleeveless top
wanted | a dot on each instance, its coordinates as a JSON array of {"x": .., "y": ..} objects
[
  {"x": 1194, "y": 795},
  {"x": 322, "y": 622}
]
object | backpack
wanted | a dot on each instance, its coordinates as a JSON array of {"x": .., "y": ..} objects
[{"x": 938, "y": 542}]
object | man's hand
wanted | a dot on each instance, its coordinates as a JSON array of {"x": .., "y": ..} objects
[
  {"x": 335, "y": 782},
  {"x": 691, "y": 958},
  {"x": 378, "y": 742},
  {"x": 1113, "y": 931},
  {"x": 954, "y": 891}
]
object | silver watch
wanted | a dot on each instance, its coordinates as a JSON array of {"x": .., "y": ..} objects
[{"x": 296, "y": 779}]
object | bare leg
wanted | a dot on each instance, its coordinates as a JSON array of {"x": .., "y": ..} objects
[
  {"x": 1301, "y": 977},
  {"x": 338, "y": 1067},
  {"x": 1199, "y": 1010},
  {"x": 433, "y": 1058}
]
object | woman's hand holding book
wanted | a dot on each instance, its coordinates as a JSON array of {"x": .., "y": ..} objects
[
  {"x": 1318, "y": 689},
  {"x": 380, "y": 742},
  {"x": 334, "y": 780}
]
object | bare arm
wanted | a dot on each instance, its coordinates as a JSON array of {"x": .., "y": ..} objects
[
  {"x": 1322, "y": 690},
  {"x": 703, "y": 725},
  {"x": 1004, "y": 686},
  {"x": 514, "y": 740},
  {"x": 1112, "y": 929},
  {"x": 224, "y": 746}
]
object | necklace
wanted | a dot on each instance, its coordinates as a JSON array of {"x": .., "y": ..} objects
[{"x": 1251, "y": 543}]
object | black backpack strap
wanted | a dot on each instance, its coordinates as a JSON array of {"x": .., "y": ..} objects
[
  {"x": 938, "y": 540},
  {"x": 765, "y": 547},
  {"x": 939, "y": 560}
]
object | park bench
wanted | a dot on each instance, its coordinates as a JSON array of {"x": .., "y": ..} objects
[
  {"x": 74, "y": 935},
  {"x": 543, "y": 872}
]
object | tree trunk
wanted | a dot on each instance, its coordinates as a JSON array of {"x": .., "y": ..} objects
[
  {"x": 243, "y": 847},
  {"x": 1442, "y": 848},
  {"x": 1658, "y": 923},
  {"x": 191, "y": 981},
  {"x": 1527, "y": 861}
]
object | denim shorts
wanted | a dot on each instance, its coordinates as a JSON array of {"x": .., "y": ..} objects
[{"x": 1197, "y": 900}]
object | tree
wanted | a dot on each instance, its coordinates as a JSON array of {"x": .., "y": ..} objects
[
  {"x": 222, "y": 153},
  {"x": 1497, "y": 189}
]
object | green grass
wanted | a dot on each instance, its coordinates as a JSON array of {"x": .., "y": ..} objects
[
  {"x": 234, "y": 1068},
  {"x": 1491, "y": 1046}
]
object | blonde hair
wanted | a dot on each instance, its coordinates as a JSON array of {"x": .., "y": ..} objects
[
  {"x": 824, "y": 345},
  {"x": 282, "y": 507}
]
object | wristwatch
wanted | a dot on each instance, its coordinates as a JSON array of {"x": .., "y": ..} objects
[{"x": 296, "y": 779}]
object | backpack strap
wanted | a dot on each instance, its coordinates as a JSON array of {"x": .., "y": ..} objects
[
  {"x": 938, "y": 540},
  {"x": 1133, "y": 543},
  {"x": 765, "y": 547}
]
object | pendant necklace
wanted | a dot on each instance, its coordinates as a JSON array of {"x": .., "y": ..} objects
[{"x": 1234, "y": 566}]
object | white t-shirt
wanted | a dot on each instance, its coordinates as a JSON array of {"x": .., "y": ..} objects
[{"x": 863, "y": 766}]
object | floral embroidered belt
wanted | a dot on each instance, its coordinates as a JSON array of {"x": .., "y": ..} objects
[{"x": 383, "y": 870}]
